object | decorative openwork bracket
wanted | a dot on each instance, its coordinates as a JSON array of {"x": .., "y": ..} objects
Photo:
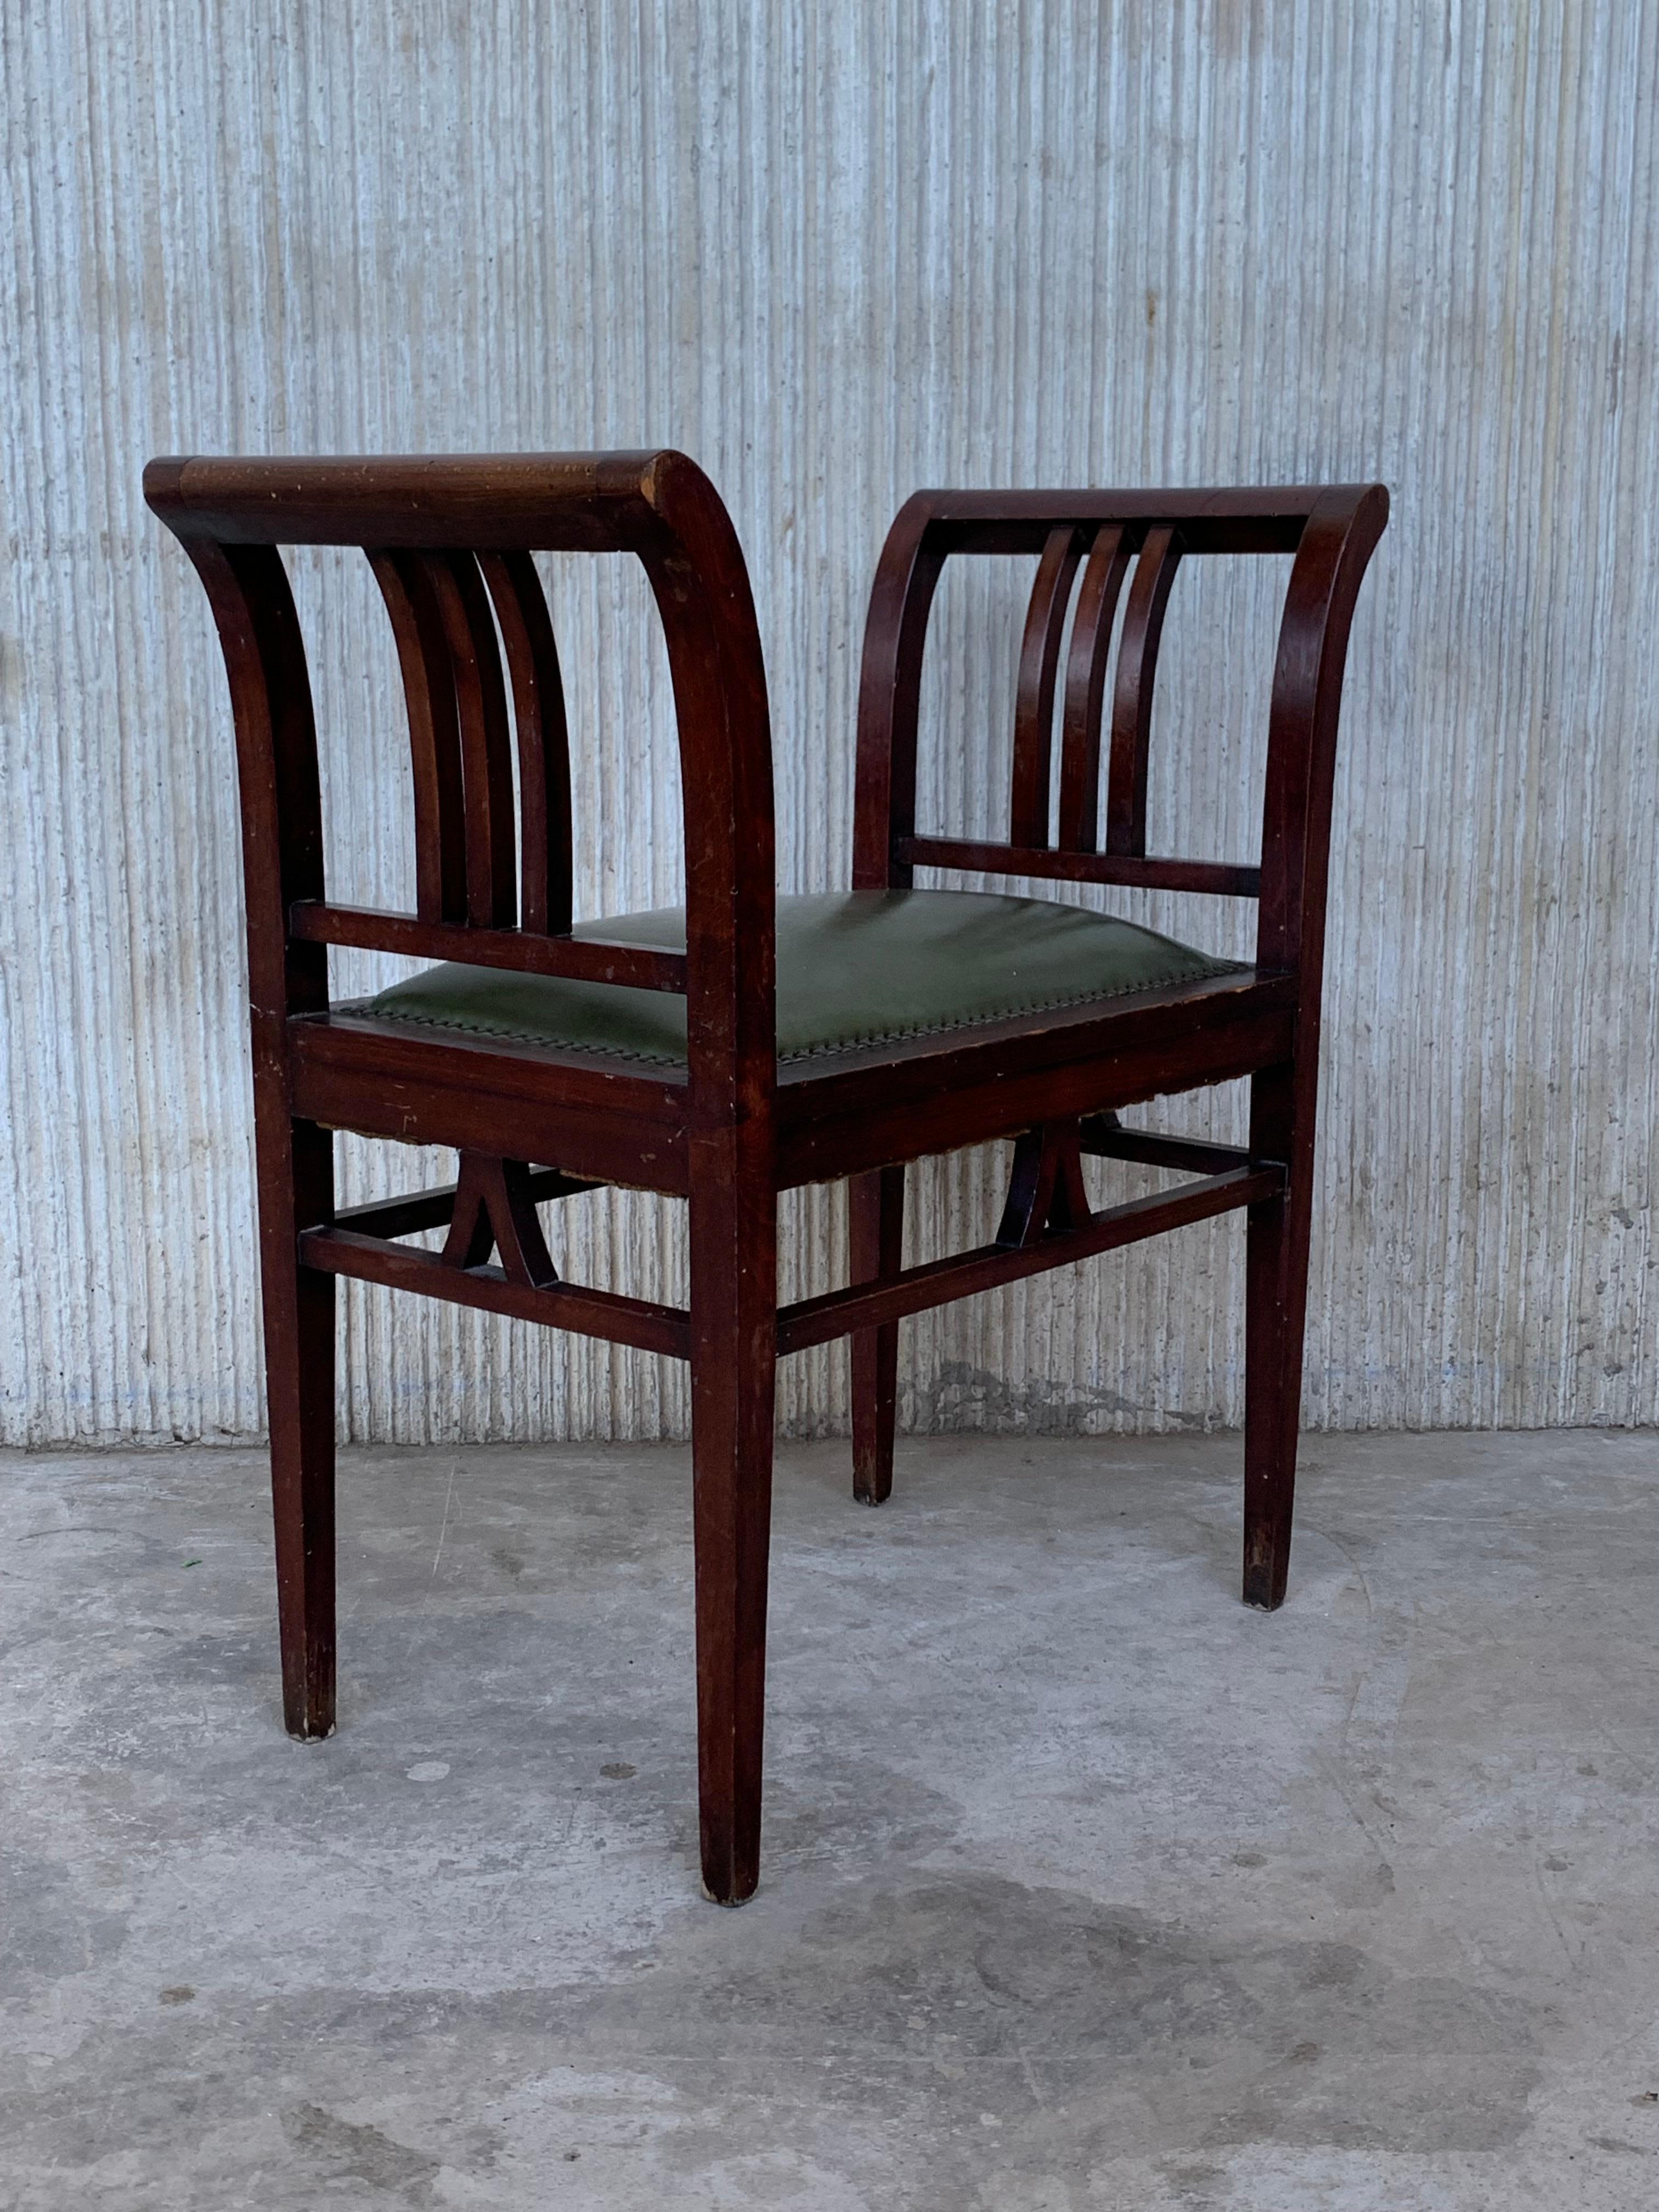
[
  {"x": 491, "y": 1206},
  {"x": 496, "y": 1212},
  {"x": 1045, "y": 1187},
  {"x": 1047, "y": 1223}
]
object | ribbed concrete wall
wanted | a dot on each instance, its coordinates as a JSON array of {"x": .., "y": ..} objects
[{"x": 836, "y": 252}]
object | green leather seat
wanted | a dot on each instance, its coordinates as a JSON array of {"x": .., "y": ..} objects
[{"x": 855, "y": 968}]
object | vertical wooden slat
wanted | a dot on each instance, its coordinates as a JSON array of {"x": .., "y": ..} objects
[
  {"x": 543, "y": 740},
  {"x": 492, "y": 899},
  {"x": 434, "y": 736},
  {"x": 1039, "y": 661},
  {"x": 889, "y": 699},
  {"x": 1132, "y": 700},
  {"x": 1085, "y": 690}
]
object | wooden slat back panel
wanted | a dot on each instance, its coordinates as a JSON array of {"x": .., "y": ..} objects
[
  {"x": 467, "y": 842},
  {"x": 1087, "y": 662},
  {"x": 1329, "y": 530}
]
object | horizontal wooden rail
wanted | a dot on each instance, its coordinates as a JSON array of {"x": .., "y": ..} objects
[
  {"x": 637, "y": 1322},
  {"x": 1263, "y": 519},
  {"x": 432, "y": 1209},
  {"x": 869, "y": 1306},
  {"x": 1222, "y": 879},
  {"x": 578, "y": 959},
  {"x": 1110, "y": 1140}
]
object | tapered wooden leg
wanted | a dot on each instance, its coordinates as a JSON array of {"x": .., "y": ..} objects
[
  {"x": 296, "y": 1191},
  {"x": 734, "y": 1368},
  {"x": 1276, "y": 1302},
  {"x": 876, "y": 1203}
]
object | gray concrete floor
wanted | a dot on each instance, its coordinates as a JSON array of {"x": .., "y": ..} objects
[{"x": 1082, "y": 1886}]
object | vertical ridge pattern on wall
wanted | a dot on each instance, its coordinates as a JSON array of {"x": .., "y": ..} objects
[{"x": 837, "y": 254}]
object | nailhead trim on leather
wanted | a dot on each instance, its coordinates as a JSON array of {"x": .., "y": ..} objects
[{"x": 827, "y": 1050}]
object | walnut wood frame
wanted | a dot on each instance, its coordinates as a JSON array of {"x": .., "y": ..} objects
[{"x": 450, "y": 541}]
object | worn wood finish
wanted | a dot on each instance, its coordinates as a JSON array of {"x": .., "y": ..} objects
[{"x": 450, "y": 543}]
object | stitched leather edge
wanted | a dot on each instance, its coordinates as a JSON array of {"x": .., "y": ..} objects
[{"x": 1209, "y": 968}]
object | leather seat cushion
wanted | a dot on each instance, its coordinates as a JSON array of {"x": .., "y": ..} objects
[{"x": 855, "y": 970}]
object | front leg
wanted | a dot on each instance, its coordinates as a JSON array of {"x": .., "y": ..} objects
[
  {"x": 1282, "y": 1108},
  {"x": 733, "y": 1371},
  {"x": 297, "y": 1192}
]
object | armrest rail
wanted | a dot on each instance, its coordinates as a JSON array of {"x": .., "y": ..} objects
[
  {"x": 578, "y": 959},
  {"x": 1144, "y": 872}
]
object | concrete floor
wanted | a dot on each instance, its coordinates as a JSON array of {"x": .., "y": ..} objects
[{"x": 1083, "y": 1887}]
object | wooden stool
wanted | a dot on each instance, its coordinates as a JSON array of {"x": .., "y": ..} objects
[{"x": 744, "y": 1044}]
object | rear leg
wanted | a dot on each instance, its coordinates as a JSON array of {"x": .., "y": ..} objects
[{"x": 877, "y": 1235}]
